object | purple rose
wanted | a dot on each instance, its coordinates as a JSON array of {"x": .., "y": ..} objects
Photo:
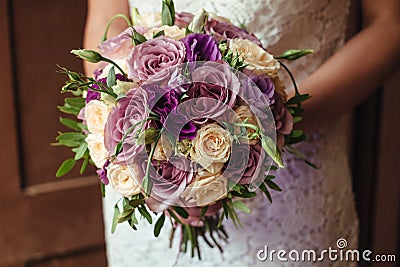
[
  {"x": 154, "y": 56},
  {"x": 183, "y": 19},
  {"x": 222, "y": 31},
  {"x": 266, "y": 86},
  {"x": 245, "y": 164},
  {"x": 162, "y": 100},
  {"x": 201, "y": 47},
  {"x": 179, "y": 126},
  {"x": 131, "y": 110}
]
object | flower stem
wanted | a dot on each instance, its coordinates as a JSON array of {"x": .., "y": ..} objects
[
  {"x": 147, "y": 183},
  {"x": 123, "y": 16}
]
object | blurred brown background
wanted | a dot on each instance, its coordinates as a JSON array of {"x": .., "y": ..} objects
[{"x": 46, "y": 221}]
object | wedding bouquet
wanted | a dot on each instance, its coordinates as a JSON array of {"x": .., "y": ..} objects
[{"x": 185, "y": 117}]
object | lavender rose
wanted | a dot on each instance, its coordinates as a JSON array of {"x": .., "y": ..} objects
[
  {"x": 131, "y": 110},
  {"x": 117, "y": 47},
  {"x": 222, "y": 31},
  {"x": 245, "y": 164},
  {"x": 258, "y": 93},
  {"x": 212, "y": 93},
  {"x": 201, "y": 47},
  {"x": 172, "y": 178},
  {"x": 183, "y": 19},
  {"x": 154, "y": 56}
]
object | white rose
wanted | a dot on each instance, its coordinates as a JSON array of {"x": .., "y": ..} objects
[
  {"x": 258, "y": 60},
  {"x": 243, "y": 114},
  {"x": 147, "y": 19},
  {"x": 96, "y": 113},
  {"x": 122, "y": 181},
  {"x": 206, "y": 189},
  {"x": 212, "y": 147},
  {"x": 173, "y": 32},
  {"x": 97, "y": 150}
]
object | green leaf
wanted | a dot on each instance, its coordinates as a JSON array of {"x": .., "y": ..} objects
[
  {"x": 298, "y": 99},
  {"x": 264, "y": 189},
  {"x": 134, "y": 220},
  {"x": 142, "y": 209},
  {"x": 296, "y": 133},
  {"x": 173, "y": 215},
  {"x": 65, "y": 167},
  {"x": 84, "y": 165},
  {"x": 241, "y": 206},
  {"x": 88, "y": 55},
  {"x": 125, "y": 215},
  {"x": 203, "y": 211},
  {"x": 159, "y": 224},
  {"x": 137, "y": 38},
  {"x": 111, "y": 78},
  {"x": 158, "y": 34},
  {"x": 181, "y": 211},
  {"x": 71, "y": 139},
  {"x": 136, "y": 202},
  {"x": 148, "y": 136},
  {"x": 273, "y": 185},
  {"x": 294, "y": 54},
  {"x": 272, "y": 150},
  {"x": 69, "y": 110},
  {"x": 76, "y": 102},
  {"x": 72, "y": 124},
  {"x": 168, "y": 13},
  {"x": 102, "y": 189},
  {"x": 115, "y": 218},
  {"x": 81, "y": 150},
  {"x": 225, "y": 208},
  {"x": 297, "y": 119}
]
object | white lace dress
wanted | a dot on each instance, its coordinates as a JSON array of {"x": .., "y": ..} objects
[{"x": 316, "y": 207}]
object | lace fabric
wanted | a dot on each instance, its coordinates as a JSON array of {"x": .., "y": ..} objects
[{"x": 316, "y": 207}]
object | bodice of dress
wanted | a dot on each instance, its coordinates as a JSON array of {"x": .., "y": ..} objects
[{"x": 316, "y": 207}]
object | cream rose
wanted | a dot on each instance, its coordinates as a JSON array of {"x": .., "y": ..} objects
[
  {"x": 173, "y": 32},
  {"x": 206, "y": 189},
  {"x": 96, "y": 113},
  {"x": 163, "y": 150},
  {"x": 212, "y": 147},
  {"x": 147, "y": 19},
  {"x": 122, "y": 181},
  {"x": 258, "y": 60},
  {"x": 97, "y": 150},
  {"x": 243, "y": 114}
]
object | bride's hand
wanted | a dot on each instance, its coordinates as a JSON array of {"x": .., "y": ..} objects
[{"x": 357, "y": 69}]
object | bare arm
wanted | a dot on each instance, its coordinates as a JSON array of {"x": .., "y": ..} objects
[
  {"x": 98, "y": 15},
  {"x": 358, "y": 68}
]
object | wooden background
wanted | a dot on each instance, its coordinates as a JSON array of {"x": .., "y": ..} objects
[{"x": 46, "y": 221}]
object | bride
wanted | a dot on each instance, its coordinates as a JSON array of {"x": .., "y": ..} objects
[{"x": 316, "y": 207}]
